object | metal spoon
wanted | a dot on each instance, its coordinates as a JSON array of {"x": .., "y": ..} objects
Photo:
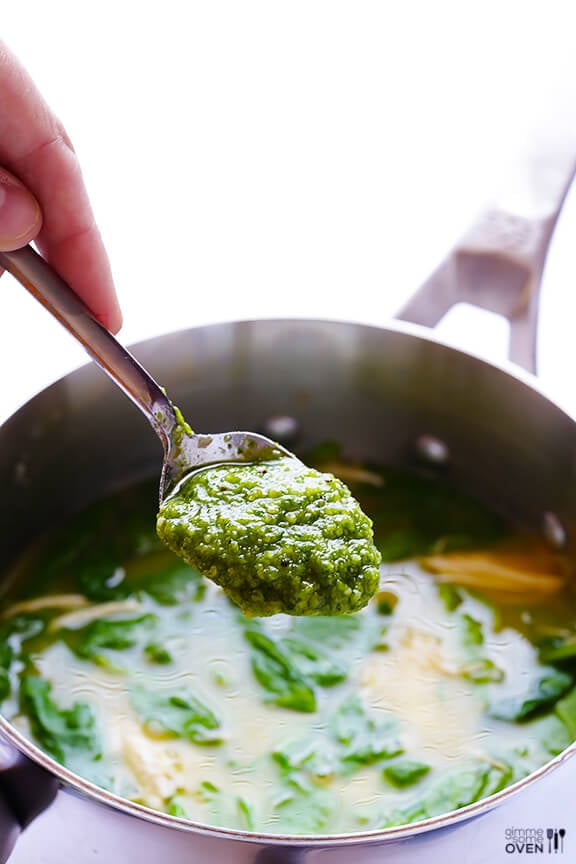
[{"x": 184, "y": 451}]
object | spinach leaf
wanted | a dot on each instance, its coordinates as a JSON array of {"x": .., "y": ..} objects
[
  {"x": 104, "y": 634},
  {"x": 246, "y": 814},
  {"x": 90, "y": 547},
  {"x": 5, "y": 686},
  {"x": 482, "y": 671},
  {"x": 499, "y": 775},
  {"x": 452, "y": 791},
  {"x": 357, "y": 738},
  {"x": 314, "y": 663},
  {"x": 557, "y": 650},
  {"x": 173, "y": 807},
  {"x": 334, "y": 632},
  {"x": 554, "y": 733},
  {"x": 60, "y": 731},
  {"x": 13, "y": 633},
  {"x": 224, "y": 809},
  {"x": 343, "y": 636},
  {"x": 167, "y": 580},
  {"x": 414, "y": 812},
  {"x": 364, "y": 738},
  {"x": 379, "y": 642},
  {"x": 207, "y": 791},
  {"x": 405, "y": 772},
  {"x": 386, "y": 602},
  {"x": 313, "y": 755},
  {"x": 210, "y": 794},
  {"x": 102, "y": 581},
  {"x": 176, "y": 716},
  {"x": 476, "y": 667},
  {"x": 460, "y": 788},
  {"x": 6, "y": 656},
  {"x": 303, "y": 810},
  {"x": 172, "y": 583},
  {"x": 111, "y": 564},
  {"x": 27, "y": 625},
  {"x": 470, "y": 631},
  {"x": 276, "y": 671},
  {"x": 541, "y": 692},
  {"x": 565, "y": 710},
  {"x": 450, "y": 596},
  {"x": 156, "y": 653},
  {"x": 402, "y": 544}
]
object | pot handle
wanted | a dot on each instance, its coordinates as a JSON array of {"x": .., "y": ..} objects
[
  {"x": 499, "y": 262},
  {"x": 26, "y": 790}
]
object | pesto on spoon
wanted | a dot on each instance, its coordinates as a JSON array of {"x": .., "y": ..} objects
[{"x": 276, "y": 535}]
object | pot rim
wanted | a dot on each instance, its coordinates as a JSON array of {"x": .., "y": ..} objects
[{"x": 78, "y": 784}]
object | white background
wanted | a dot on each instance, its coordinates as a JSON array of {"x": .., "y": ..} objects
[{"x": 309, "y": 159}]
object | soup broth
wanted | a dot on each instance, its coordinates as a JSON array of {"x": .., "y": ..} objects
[{"x": 136, "y": 673}]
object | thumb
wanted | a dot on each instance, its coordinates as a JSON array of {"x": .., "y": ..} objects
[{"x": 20, "y": 214}]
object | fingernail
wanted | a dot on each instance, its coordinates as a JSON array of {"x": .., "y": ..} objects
[{"x": 20, "y": 215}]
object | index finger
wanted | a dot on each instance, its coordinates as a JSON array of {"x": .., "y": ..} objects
[{"x": 35, "y": 147}]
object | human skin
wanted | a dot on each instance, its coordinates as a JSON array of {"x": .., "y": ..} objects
[{"x": 42, "y": 193}]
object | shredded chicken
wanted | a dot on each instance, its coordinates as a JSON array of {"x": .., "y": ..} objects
[
  {"x": 154, "y": 769},
  {"x": 507, "y": 573},
  {"x": 55, "y": 601},
  {"x": 84, "y": 616}
]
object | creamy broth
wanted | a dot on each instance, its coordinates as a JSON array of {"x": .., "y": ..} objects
[{"x": 145, "y": 678}]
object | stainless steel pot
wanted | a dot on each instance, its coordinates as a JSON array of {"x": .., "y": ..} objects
[{"x": 395, "y": 395}]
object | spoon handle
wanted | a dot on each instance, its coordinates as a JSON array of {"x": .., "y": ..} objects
[{"x": 36, "y": 275}]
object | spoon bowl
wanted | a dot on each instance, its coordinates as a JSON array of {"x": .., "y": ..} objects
[
  {"x": 184, "y": 451},
  {"x": 189, "y": 452}
]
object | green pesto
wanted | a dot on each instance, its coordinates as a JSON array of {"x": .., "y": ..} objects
[
  {"x": 276, "y": 535},
  {"x": 182, "y": 426}
]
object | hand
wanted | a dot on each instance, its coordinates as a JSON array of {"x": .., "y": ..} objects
[{"x": 42, "y": 194}]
